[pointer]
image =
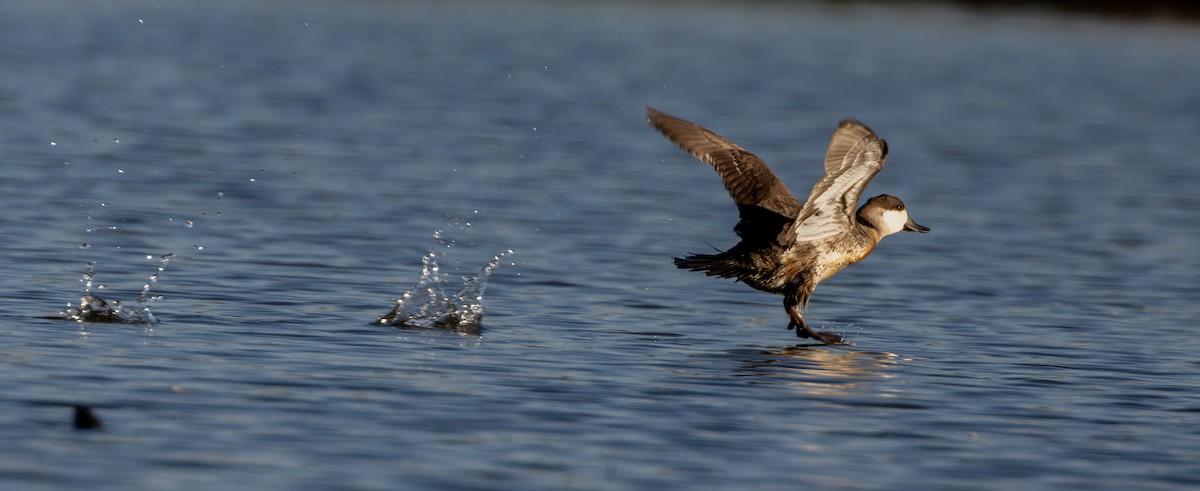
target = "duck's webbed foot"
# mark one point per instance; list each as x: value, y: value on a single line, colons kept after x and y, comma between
x: 830, y: 338
x: 803, y: 331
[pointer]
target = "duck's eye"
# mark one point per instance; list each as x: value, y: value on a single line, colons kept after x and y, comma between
x: 899, y: 207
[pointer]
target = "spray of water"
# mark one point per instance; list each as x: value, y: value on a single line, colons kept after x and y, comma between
x: 92, y: 308
x: 430, y: 304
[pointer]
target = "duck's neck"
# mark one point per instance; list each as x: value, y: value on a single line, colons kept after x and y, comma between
x: 871, y: 230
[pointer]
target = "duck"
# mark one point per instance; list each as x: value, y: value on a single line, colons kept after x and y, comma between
x: 788, y: 247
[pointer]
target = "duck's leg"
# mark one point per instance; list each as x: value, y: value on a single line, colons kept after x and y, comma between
x: 801, y: 327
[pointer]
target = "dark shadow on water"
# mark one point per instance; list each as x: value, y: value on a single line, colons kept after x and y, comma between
x: 447, y: 323
x: 1167, y: 9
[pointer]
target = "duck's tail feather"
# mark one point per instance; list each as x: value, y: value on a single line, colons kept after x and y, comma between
x: 723, y: 264
x: 755, y: 264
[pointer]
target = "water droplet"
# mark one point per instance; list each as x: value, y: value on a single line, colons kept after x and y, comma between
x: 189, y: 224
x: 53, y: 143
x: 116, y: 140
x: 429, y: 304
x: 120, y: 171
x: 85, y: 245
x: 140, y: 21
x: 199, y: 247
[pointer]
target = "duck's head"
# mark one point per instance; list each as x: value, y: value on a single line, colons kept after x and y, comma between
x: 887, y: 214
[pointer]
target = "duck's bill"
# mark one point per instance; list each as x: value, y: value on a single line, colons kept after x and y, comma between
x: 912, y: 226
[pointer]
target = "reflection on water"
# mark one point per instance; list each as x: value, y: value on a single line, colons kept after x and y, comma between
x: 817, y: 370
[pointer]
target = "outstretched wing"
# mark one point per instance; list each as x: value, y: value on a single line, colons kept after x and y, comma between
x: 764, y: 204
x: 855, y: 155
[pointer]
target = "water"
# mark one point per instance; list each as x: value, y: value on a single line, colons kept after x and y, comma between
x: 430, y: 305
x: 94, y: 308
x: 296, y: 158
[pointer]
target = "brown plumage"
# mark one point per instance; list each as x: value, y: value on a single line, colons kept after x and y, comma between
x: 788, y: 247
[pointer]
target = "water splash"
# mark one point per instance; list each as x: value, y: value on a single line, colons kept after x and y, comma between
x: 92, y: 308
x: 145, y: 297
x: 429, y: 305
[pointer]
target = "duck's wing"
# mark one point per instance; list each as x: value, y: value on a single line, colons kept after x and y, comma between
x: 854, y: 156
x: 765, y: 205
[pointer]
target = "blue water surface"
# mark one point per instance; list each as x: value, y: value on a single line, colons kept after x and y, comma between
x: 298, y: 157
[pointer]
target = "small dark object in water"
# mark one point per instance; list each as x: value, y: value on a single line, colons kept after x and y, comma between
x: 398, y: 318
x: 85, y: 420
x: 94, y: 309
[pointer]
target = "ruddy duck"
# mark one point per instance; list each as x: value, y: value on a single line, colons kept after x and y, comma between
x: 786, y: 247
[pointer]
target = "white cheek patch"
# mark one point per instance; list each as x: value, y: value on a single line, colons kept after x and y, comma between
x: 893, y: 221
